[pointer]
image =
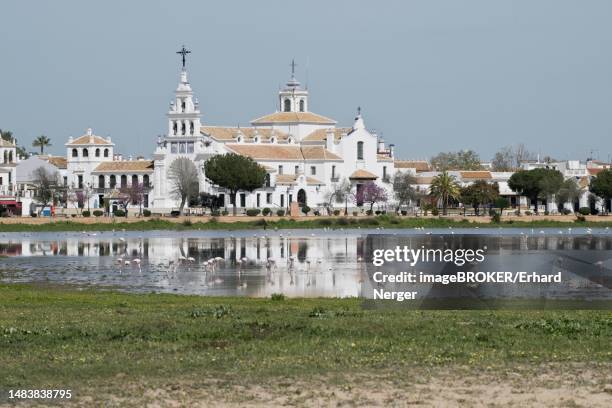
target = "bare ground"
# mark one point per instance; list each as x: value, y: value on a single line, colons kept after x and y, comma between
x: 559, y: 385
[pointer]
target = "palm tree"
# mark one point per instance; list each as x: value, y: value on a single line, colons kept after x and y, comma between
x: 6, y: 135
x: 444, y: 187
x: 41, y: 141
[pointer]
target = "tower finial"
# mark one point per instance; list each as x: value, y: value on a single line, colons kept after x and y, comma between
x: 183, y: 53
x: 359, y: 111
x: 293, y: 65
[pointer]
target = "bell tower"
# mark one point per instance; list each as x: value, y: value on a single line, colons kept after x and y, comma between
x: 293, y: 98
x: 184, y: 112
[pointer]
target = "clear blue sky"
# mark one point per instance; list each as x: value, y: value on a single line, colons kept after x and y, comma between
x: 430, y: 75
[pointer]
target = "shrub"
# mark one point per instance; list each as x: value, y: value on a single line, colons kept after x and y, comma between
x: 377, y: 212
x: 317, y: 212
x: 342, y: 221
x: 266, y: 211
x: 213, y: 220
x: 546, y: 212
x: 119, y: 213
x: 187, y: 222
x: 368, y: 212
x: 86, y: 213
x: 305, y: 209
x: 98, y: 213
x: 369, y: 221
x: 252, y: 212
x: 584, y: 211
x: 215, y: 213
x: 404, y: 212
x: 528, y: 212
x: 174, y: 213
x: 280, y: 213
x: 580, y: 218
x: 336, y: 212
x: 496, y: 218
x: 435, y: 211
x: 517, y: 213
x: 566, y: 211
x: 224, y: 213
x: 277, y: 297
x: 146, y: 213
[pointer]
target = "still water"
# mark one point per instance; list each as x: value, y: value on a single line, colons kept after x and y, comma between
x: 297, y: 263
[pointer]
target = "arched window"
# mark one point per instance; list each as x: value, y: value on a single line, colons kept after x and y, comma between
x: 105, y: 152
x: 85, y: 153
x: 134, y: 180
x: 5, y: 157
x: 183, y: 105
x: 101, y: 181
x: 302, y: 105
x: 10, y: 157
x: 268, y: 180
x: 123, y: 180
x: 191, y: 127
x: 174, y: 128
x: 75, y: 153
x: 359, y: 150
x: 97, y: 152
x: 145, y: 180
x: 112, y: 181
x: 183, y: 128
x: 287, y: 105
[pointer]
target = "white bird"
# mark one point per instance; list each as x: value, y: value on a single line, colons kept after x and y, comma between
x: 122, y: 239
x: 127, y: 263
x: 136, y: 261
x: 191, y: 259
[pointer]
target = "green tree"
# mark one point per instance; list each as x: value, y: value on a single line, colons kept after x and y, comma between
x: 444, y: 188
x: 601, y: 186
x: 502, y: 203
x: 462, y: 160
x: 41, y: 141
x: 183, y: 176
x: 479, y: 193
x: 568, y: 193
x: 536, y: 184
x: 235, y: 173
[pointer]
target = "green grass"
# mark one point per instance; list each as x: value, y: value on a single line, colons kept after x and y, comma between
x: 385, y: 221
x: 63, y: 337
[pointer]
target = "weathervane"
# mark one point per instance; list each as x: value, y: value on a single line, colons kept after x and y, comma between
x: 183, y: 52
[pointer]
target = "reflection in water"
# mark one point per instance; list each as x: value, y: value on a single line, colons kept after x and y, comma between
x: 256, y: 265
x: 296, y: 263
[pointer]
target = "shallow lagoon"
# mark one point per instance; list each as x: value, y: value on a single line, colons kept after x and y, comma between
x: 297, y: 263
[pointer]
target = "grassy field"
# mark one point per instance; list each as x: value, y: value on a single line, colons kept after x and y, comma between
x: 386, y: 221
x: 99, y: 342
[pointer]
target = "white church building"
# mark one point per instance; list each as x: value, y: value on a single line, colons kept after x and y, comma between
x: 303, y: 152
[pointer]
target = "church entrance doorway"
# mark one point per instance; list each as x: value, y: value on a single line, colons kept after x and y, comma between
x: 301, y: 197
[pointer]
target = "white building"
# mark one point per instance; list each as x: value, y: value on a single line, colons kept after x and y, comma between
x: 306, y: 156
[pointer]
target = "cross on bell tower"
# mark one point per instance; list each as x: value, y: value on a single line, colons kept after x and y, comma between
x: 183, y: 52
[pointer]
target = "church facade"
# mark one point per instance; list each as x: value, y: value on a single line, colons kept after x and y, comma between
x: 304, y: 153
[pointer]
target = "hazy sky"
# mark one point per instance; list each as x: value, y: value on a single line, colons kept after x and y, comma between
x: 430, y: 75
